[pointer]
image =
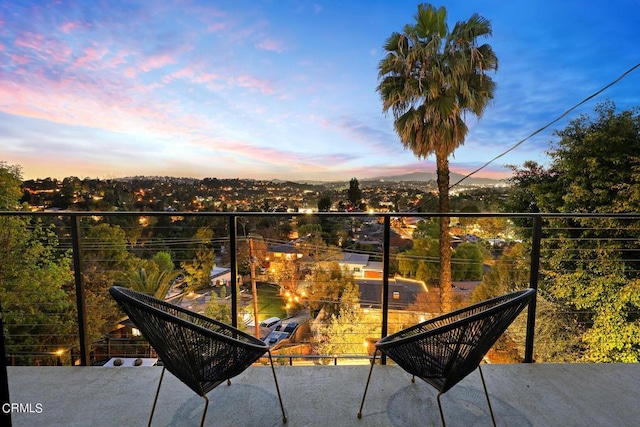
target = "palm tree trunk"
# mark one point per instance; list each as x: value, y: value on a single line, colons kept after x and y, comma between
x: 446, y: 300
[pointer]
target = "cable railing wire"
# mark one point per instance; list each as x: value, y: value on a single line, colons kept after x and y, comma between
x: 90, y: 245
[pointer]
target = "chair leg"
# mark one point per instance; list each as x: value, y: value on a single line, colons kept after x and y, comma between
x: 484, y: 385
x: 284, y: 416
x: 204, y: 413
x: 155, y: 400
x: 441, y: 413
x: 366, y: 387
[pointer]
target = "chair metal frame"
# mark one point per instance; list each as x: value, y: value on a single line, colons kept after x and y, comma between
x: 199, y: 351
x: 444, y: 350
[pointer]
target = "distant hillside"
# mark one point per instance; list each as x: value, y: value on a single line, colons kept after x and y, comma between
x: 415, y: 177
x: 431, y: 176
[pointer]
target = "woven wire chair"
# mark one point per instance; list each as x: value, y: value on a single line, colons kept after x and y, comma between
x: 444, y: 350
x: 199, y: 351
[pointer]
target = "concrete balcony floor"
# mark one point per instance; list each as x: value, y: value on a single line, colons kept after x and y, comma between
x: 521, y: 395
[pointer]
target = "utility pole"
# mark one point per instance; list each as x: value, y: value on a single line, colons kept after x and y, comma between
x: 254, y: 289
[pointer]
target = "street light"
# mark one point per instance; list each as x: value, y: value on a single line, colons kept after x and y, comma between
x: 59, y: 354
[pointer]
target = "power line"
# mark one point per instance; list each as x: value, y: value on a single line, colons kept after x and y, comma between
x: 543, y: 128
x: 549, y: 124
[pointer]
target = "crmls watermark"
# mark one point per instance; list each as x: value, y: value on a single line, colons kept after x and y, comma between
x: 21, y: 408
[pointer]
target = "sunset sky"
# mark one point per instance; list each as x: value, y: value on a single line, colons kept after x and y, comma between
x: 279, y: 88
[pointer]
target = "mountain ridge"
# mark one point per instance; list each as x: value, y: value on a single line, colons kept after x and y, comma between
x: 431, y: 176
x: 408, y: 177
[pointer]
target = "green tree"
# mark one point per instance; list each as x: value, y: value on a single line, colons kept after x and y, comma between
x: 421, y: 261
x: 163, y: 260
x: 533, y: 189
x: 467, y: 221
x: 595, y: 158
x: 345, y: 333
x: 556, y: 332
x: 153, y: 276
x: 198, y: 269
x: 219, y: 311
x: 467, y: 262
x: 590, y: 265
x: 330, y: 287
x: 354, y: 193
x: 35, y: 274
x: 105, y: 259
x: 324, y: 203
x: 346, y: 329
x: 430, y: 79
x: 310, y: 230
x: 510, y: 272
x: 105, y: 249
x: 426, y: 228
x: 10, y: 183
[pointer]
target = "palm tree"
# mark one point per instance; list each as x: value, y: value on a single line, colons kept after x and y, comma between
x: 430, y: 79
x: 154, y: 276
x: 154, y: 282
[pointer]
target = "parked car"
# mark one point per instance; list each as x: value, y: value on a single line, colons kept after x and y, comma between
x: 290, y: 327
x: 271, y: 323
x: 274, y: 337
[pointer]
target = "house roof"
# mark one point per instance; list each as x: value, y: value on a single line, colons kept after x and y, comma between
x: 219, y: 271
x: 353, y: 258
x: 287, y: 248
x: 374, y: 266
x: 407, y: 291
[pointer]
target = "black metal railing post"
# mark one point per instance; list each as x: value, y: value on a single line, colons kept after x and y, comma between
x: 5, y: 416
x: 533, y: 283
x: 82, y: 352
x: 233, y: 265
x: 385, y: 281
x: 81, y: 304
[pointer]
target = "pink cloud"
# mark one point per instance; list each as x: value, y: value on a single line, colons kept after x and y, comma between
x: 218, y: 26
x: 91, y: 56
x: 30, y: 40
x: 206, y: 77
x: 49, y: 49
x: 116, y: 60
x: 157, y: 61
x: 183, y: 73
x: 254, y: 83
x: 271, y: 45
x: 18, y: 59
x: 250, y: 153
x: 241, y: 35
x: 70, y: 26
x: 193, y: 75
x: 120, y: 106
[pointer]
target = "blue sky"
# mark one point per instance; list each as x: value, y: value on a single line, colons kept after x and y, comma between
x: 281, y: 88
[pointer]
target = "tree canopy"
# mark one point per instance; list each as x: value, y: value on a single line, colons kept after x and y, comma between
x: 35, y: 276
x: 590, y: 266
x: 354, y: 193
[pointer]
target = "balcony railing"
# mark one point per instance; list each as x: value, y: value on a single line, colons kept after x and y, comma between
x: 31, y: 312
